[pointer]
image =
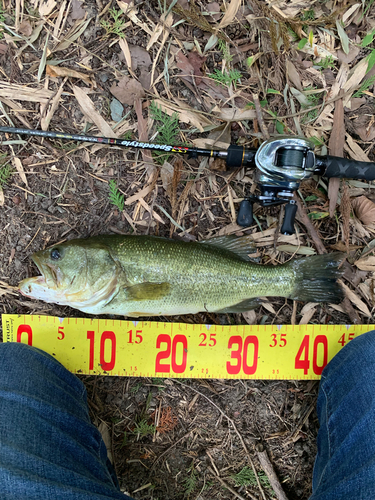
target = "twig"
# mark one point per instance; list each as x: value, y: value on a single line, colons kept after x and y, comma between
x: 271, y: 474
x: 310, y: 228
x: 235, y: 429
x: 260, y: 118
x: 169, y: 448
x: 234, y: 492
x: 307, y: 110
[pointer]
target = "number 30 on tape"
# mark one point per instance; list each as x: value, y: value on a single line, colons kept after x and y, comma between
x: 153, y: 349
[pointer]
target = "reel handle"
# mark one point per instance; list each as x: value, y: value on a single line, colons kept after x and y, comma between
x: 288, y: 223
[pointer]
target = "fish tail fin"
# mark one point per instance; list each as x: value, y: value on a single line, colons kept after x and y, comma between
x: 316, y: 278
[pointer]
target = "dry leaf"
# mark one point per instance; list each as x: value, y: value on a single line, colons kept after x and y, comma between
x: 182, y: 63
x: 130, y: 10
x: 88, y: 108
x: 293, y: 75
x: 166, y: 174
x: 250, y: 317
x: 355, y: 151
x: 74, y: 33
x: 197, y: 61
x: 336, y: 148
x: 355, y: 300
x: 234, y: 115
x: 366, y: 263
x: 45, y: 120
x: 56, y: 71
x: 127, y: 90
x: 348, y: 58
x: 143, y: 136
x: 17, y: 163
x: 157, y: 32
x: 23, y: 93
x: 307, y: 312
x: 185, y: 114
x: 267, y: 305
x: 126, y: 51
x: 106, y: 436
x: 366, y: 134
x: 364, y: 209
x: 47, y: 7
x: 230, y: 13
x: 213, y: 9
x: 3, y: 48
x: 140, y: 57
x: 2, y: 198
x: 77, y: 11
x: 25, y: 28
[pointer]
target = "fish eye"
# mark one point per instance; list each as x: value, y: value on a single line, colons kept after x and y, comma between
x: 55, y: 254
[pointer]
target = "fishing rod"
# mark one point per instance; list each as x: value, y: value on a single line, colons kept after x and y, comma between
x: 281, y: 164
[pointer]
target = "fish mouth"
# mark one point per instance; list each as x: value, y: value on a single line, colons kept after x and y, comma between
x: 50, y: 276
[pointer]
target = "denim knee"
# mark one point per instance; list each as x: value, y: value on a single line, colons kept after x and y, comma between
x: 358, y: 356
x: 28, y: 370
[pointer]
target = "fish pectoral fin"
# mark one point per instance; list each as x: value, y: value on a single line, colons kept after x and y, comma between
x: 147, y: 291
x: 243, y: 306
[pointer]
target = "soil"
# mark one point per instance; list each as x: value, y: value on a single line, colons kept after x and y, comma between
x: 169, y: 438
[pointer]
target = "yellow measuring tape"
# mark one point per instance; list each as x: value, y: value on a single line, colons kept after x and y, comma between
x: 153, y: 349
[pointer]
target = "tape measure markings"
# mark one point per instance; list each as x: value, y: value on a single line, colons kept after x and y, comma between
x: 181, y: 350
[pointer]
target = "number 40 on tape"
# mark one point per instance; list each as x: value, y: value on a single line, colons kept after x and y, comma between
x: 153, y: 349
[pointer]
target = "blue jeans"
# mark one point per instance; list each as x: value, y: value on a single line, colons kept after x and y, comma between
x: 345, y: 463
x: 49, y: 449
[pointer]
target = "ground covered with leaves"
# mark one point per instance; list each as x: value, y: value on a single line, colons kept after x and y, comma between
x: 203, y: 74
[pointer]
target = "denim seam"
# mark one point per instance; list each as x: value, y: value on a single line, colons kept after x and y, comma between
x: 328, y: 438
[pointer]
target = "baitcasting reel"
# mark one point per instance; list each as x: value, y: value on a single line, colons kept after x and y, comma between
x: 281, y: 164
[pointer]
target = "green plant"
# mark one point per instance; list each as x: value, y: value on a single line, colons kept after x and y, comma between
x: 2, y: 20
x: 327, y: 62
x: 116, y: 25
x: 6, y: 173
x: 246, y: 477
x: 223, y: 46
x: 368, y: 39
x: 190, y: 481
x: 368, y: 7
x: 167, y: 129
x: 115, y: 197
x: 365, y: 85
x: 135, y: 388
x: 313, y: 99
x: 308, y: 15
x: 227, y: 78
x: 143, y: 429
x: 127, y: 136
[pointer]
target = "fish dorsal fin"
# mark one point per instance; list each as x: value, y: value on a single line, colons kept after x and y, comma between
x: 240, y: 245
x: 147, y: 291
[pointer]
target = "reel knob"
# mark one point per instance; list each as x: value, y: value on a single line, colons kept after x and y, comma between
x: 245, y: 213
x: 288, y: 223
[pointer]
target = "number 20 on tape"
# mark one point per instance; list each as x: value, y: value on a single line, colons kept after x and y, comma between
x: 153, y: 349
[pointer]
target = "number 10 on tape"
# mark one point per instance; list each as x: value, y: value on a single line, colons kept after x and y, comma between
x: 153, y: 349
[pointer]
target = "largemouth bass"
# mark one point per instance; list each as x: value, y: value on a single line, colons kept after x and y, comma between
x: 151, y: 276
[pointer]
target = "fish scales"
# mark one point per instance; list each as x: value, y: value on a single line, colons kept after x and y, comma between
x: 151, y: 276
x: 200, y: 277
